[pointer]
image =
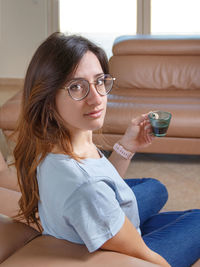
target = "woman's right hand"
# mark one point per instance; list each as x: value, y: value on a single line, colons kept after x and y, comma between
x: 138, y: 134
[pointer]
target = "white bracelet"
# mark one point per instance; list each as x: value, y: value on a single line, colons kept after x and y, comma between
x: 122, y: 151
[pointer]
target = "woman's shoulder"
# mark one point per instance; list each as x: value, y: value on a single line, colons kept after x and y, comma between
x: 61, y: 167
x: 53, y: 160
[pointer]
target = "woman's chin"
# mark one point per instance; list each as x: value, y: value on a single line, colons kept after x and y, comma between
x: 96, y: 126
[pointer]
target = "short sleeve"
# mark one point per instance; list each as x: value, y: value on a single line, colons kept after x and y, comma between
x: 94, y: 213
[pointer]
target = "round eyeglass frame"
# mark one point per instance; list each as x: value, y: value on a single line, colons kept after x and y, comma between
x: 67, y: 87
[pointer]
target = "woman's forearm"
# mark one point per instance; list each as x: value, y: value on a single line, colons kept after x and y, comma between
x: 120, y: 163
x: 128, y: 241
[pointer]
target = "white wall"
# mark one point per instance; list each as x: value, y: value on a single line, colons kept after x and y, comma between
x: 24, y: 24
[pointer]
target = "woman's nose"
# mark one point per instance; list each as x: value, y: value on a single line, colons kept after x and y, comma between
x: 93, y: 97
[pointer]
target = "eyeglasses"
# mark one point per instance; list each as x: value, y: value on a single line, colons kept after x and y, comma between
x: 78, y: 89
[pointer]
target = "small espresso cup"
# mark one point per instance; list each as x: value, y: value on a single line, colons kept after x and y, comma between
x: 160, y: 121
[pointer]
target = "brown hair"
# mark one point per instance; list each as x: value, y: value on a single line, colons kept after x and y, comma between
x: 40, y: 127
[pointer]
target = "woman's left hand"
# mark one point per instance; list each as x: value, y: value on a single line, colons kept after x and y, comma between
x: 138, y: 134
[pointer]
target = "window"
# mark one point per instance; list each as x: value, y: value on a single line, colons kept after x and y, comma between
x: 175, y: 17
x: 101, y: 21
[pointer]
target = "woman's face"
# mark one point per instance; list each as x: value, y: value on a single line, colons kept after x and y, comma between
x: 88, y: 113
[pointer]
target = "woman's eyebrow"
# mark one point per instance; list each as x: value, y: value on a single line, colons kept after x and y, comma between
x: 82, y: 78
x: 97, y: 75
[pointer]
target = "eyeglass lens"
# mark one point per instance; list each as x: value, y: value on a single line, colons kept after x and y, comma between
x: 80, y: 88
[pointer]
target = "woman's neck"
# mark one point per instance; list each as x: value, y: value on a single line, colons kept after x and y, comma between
x: 82, y: 145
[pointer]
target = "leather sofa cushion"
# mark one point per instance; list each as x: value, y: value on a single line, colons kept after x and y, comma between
x: 156, y: 45
x: 169, y: 145
x: 9, y: 201
x: 10, y: 111
x: 8, y: 179
x: 156, y: 71
x: 185, y: 120
x: 51, y: 252
x: 13, y: 235
x: 156, y: 62
x: 3, y: 165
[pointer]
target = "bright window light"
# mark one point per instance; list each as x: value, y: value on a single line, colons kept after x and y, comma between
x: 175, y: 17
x: 100, y: 21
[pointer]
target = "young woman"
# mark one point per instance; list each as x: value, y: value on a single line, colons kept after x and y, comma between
x: 79, y: 193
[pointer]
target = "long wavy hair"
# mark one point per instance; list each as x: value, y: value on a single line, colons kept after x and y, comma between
x: 40, y: 127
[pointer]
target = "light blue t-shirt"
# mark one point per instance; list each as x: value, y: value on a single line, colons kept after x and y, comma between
x: 85, y: 202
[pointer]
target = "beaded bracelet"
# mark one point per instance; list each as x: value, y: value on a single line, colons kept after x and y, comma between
x: 122, y: 151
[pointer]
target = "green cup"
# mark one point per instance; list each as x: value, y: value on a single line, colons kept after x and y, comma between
x: 160, y: 121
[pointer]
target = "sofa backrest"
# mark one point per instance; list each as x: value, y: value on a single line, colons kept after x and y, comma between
x: 160, y: 63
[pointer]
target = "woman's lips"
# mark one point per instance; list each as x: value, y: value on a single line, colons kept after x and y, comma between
x: 94, y: 114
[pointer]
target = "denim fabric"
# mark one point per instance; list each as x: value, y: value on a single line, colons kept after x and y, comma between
x: 173, y: 235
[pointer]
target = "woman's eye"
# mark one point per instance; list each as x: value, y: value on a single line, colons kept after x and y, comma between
x: 75, y: 87
x: 100, y: 81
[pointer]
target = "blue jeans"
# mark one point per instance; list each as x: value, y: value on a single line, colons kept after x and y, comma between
x: 173, y: 235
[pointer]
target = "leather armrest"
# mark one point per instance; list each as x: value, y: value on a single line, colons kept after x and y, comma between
x: 9, y: 112
x: 9, y: 201
x: 8, y: 176
x: 51, y: 252
x: 13, y: 235
x: 3, y: 165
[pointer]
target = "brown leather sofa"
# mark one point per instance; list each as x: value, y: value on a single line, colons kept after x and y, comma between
x: 156, y: 73
x: 151, y: 73
x: 22, y: 246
